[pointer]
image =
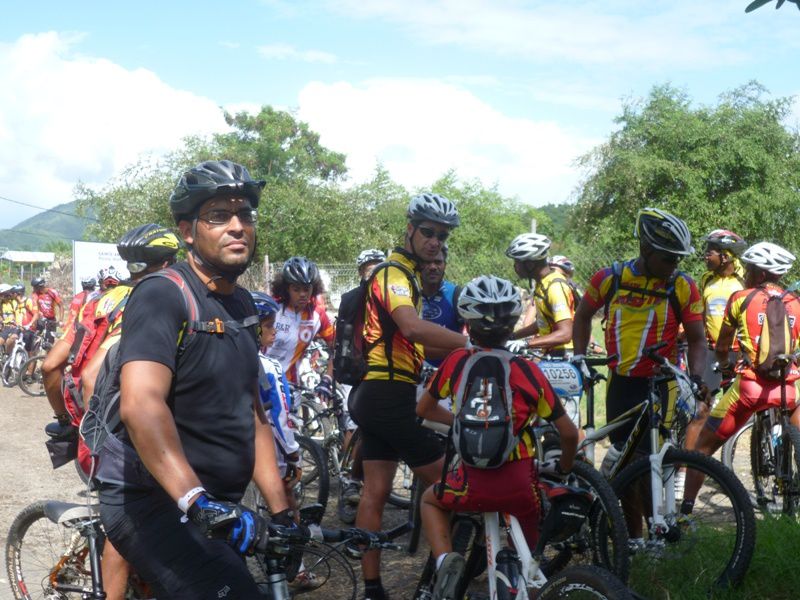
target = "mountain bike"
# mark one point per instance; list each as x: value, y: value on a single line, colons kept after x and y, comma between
x: 766, y: 453
x: 712, y: 545
x: 12, y: 366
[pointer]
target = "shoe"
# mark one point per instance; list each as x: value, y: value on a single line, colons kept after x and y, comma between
x: 351, y: 493
x: 59, y: 431
x: 305, y: 581
x: 347, y: 513
x: 448, y: 576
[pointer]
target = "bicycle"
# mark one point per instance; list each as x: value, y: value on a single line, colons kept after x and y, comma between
x: 766, y: 451
x: 713, y: 545
x: 31, y: 382
x: 12, y: 367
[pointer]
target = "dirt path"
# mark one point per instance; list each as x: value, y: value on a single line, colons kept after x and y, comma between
x: 28, y: 476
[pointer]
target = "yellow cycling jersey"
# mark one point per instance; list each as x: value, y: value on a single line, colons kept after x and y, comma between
x: 716, y: 290
x: 102, y: 306
x: 10, y: 311
x: 554, y: 303
x: 390, y: 356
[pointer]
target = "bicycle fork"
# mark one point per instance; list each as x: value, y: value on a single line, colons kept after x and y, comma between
x: 662, y: 491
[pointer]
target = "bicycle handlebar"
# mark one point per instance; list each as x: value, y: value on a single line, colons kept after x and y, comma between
x: 301, y: 534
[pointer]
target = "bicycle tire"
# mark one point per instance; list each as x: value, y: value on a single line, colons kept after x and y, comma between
x: 791, y: 497
x: 603, y: 541
x: 400, y: 496
x: 12, y: 368
x: 711, y: 549
x: 34, y: 386
x: 763, y: 465
x: 584, y: 582
x: 315, y: 482
x: 314, y: 424
x: 347, y: 513
x: 736, y: 455
x: 414, y: 516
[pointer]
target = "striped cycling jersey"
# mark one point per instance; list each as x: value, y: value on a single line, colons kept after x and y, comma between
x: 716, y: 290
x: 637, y: 320
x: 532, y: 395
x: 554, y: 303
x: 748, y: 324
x: 390, y: 356
x: 103, y: 306
x: 294, y: 331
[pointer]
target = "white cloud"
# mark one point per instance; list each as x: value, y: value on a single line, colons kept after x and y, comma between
x: 620, y: 33
x: 73, y: 117
x: 418, y: 129
x: 288, y: 52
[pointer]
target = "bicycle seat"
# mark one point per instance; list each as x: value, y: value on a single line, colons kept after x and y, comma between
x: 781, y: 360
x: 61, y: 512
x: 312, y: 514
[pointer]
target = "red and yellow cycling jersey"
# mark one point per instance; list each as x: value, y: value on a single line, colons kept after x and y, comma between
x: 748, y: 324
x: 27, y: 312
x: 554, y: 303
x: 390, y: 356
x: 716, y: 290
x: 532, y: 395
x: 47, y: 301
x: 637, y: 319
x: 75, y: 307
x: 103, y: 306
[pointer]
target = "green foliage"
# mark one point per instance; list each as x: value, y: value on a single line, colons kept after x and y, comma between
x: 733, y: 165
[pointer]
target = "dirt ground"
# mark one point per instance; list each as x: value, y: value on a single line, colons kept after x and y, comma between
x: 28, y: 476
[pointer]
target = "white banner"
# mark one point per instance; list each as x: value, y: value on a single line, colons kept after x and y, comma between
x: 89, y: 257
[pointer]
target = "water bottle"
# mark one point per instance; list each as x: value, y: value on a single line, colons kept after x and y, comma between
x: 611, y: 458
x: 508, y: 574
x: 777, y: 430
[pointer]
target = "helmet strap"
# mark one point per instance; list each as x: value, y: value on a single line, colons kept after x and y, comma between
x: 229, y: 274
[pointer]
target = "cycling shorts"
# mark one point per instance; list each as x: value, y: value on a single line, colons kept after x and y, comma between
x: 511, y: 488
x: 385, y: 412
x: 743, y: 398
x: 175, y: 558
x: 7, y: 331
x: 623, y: 393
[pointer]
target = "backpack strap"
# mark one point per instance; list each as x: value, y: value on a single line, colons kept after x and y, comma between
x: 670, y: 294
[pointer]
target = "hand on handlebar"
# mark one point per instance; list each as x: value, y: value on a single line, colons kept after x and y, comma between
x: 244, y: 526
x: 552, y: 469
x: 324, y: 388
x: 516, y: 346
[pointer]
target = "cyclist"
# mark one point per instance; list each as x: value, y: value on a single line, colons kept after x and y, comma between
x: 491, y: 307
x: 646, y: 300
x: 196, y: 423
x: 366, y: 261
x: 765, y: 264
x: 302, y: 317
x: 555, y: 305
x: 8, y: 312
x: 384, y: 403
x: 88, y: 285
x: 439, y: 298
x: 723, y: 277
x: 47, y: 300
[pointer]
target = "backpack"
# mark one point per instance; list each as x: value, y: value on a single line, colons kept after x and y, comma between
x: 775, y: 337
x: 670, y: 294
x: 89, y: 334
x: 573, y: 288
x: 116, y: 461
x: 350, y: 348
x: 483, y: 427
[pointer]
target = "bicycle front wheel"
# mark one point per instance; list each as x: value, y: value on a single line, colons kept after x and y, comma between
x: 13, y: 367
x: 30, y: 380
x: 710, y: 548
x: 584, y: 582
x: 314, y: 485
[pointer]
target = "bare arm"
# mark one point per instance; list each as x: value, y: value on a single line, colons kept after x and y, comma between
x: 582, y: 328
x: 424, y: 332
x: 429, y: 408
x: 724, y: 342
x: 561, y: 334
x: 569, y: 441
x: 696, y: 351
x: 89, y: 374
x: 144, y: 388
x: 526, y: 331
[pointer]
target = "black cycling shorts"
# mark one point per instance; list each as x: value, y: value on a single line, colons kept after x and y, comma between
x: 7, y: 331
x: 175, y: 558
x: 385, y: 412
x: 622, y: 394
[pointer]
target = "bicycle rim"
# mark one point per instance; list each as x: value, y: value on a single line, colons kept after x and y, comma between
x: 35, y: 385
x: 791, y: 494
x: 710, y: 549
x: 584, y: 582
x: 763, y: 463
x: 400, y: 496
x: 41, y: 554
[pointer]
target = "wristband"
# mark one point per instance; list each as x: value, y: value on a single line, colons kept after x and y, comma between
x: 183, y: 502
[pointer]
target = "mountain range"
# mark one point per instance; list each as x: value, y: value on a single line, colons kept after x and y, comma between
x: 46, y: 229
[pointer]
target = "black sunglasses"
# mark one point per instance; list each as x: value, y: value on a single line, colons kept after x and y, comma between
x: 218, y: 216
x: 666, y: 257
x: 429, y: 233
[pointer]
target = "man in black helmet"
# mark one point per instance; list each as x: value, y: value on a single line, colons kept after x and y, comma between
x: 384, y: 403
x: 189, y: 403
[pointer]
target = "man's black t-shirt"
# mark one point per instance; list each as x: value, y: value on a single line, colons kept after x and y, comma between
x: 215, y: 379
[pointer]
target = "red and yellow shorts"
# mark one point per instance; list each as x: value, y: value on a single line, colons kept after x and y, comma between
x: 511, y: 488
x: 743, y: 398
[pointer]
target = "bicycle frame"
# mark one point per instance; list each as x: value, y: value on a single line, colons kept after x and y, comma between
x: 528, y: 564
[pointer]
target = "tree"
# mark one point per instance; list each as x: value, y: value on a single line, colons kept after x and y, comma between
x: 732, y: 165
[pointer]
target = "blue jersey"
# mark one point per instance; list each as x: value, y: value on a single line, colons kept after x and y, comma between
x: 441, y: 309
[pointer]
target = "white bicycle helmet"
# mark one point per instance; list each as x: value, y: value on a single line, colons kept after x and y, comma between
x: 4, y: 288
x: 433, y: 207
x: 490, y: 304
x: 559, y: 260
x: 663, y: 231
x: 769, y: 257
x: 370, y: 256
x: 529, y: 246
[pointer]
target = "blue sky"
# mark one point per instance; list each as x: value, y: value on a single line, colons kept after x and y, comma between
x: 510, y: 92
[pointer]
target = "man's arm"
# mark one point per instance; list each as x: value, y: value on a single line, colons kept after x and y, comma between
x: 429, y: 408
x: 144, y: 388
x: 424, y: 332
x: 525, y: 331
x: 582, y: 327
x: 696, y: 350
x: 724, y: 343
x: 561, y: 334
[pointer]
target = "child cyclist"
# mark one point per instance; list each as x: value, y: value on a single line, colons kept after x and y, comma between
x: 490, y: 307
x: 275, y: 395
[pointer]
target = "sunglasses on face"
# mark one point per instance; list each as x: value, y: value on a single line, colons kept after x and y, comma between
x: 671, y: 259
x: 428, y: 233
x: 219, y: 216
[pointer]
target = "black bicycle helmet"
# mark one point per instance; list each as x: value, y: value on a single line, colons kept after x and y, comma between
x: 208, y: 179
x: 18, y: 288
x: 299, y: 269
x: 663, y: 231
x: 88, y: 283
x: 490, y: 305
x: 725, y: 239
x: 38, y: 282
x: 433, y: 207
x: 147, y: 245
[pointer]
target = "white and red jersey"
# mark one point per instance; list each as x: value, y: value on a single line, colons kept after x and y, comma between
x: 295, y: 331
x: 46, y: 301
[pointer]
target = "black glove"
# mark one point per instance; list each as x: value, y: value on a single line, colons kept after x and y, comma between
x: 702, y: 392
x: 245, y: 527
x: 325, y: 388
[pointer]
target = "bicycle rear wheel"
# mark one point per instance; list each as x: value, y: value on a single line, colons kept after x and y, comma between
x: 583, y: 582
x: 33, y: 384
x: 791, y: 488
x: 710, y: 549
x: 12, y: 368
x: 314, y: 486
